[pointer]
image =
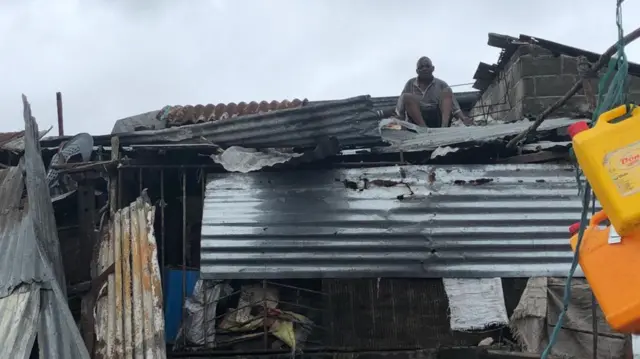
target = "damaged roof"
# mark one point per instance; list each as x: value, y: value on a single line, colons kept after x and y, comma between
x: 14, y: 141
x: 352, y: 121
x: 186, y: 115
x: 19, y: 259
x: 486, y: 73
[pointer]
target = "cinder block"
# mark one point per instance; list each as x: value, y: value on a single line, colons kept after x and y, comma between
x: 554, y: 85
x: 540, y: 65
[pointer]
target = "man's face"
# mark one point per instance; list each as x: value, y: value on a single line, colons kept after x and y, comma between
x: 424, y: 67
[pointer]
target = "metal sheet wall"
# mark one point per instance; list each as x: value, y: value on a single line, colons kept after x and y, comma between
x: 415, y: 221
x: 130, y: 322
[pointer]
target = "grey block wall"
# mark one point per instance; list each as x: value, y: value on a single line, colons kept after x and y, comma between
x: 532, y: 80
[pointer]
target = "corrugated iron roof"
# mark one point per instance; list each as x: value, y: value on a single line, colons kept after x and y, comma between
x: 466, y: 99
x: 14, y: 141
x: 414, y: 221
x: 428, y: 139
x: 352, y: 121
x: 185, y: 115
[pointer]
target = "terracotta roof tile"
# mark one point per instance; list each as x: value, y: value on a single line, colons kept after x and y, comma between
x: 184, y: 115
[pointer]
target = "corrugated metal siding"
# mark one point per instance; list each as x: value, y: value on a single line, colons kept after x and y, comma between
x: 130, y: 321
x: 18, y: 321
x: 414, y: 221
x: 19, y: 259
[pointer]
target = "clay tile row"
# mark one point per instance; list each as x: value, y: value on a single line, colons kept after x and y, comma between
x: 185, y: 115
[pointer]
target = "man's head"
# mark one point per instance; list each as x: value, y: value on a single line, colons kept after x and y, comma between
x: 424, y: 67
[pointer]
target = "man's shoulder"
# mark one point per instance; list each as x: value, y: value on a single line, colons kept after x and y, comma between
x: 440, y: 82
x: 411, y: 81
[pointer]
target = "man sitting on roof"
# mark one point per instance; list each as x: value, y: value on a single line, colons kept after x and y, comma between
x: 428, y: 101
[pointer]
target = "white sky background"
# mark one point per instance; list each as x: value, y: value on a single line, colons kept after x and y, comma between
x: 113, y: 59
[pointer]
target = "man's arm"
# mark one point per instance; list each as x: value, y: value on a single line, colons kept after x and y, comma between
x: 446, y: 106
x: 455, y: 108
x: 400, y: 106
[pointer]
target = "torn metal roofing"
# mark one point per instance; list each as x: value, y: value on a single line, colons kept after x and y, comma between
x: 352, y: 121
x: 19, y: 258
x: 428, y: 139
x: 414, y: 221
x: 58, y: 334
x: 145, y: 121
x: 185, y: 115
x: 14, y: 141
x: 19, y: 314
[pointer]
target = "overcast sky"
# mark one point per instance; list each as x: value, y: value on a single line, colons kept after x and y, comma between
x: 113, y: 59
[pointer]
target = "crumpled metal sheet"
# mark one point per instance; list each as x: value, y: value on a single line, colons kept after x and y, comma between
x: 130, y: 321
x: 407, y: 137
x: 19, y: 314
x: 14, y: 141
x: 30, y: 307
x: 58, y: 333
x: 240, y: 159
x: 244, y: 160
x: 19, y: 258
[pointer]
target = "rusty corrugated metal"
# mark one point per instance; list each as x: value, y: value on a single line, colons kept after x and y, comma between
x: 184, y: 115
x: 130, y: 322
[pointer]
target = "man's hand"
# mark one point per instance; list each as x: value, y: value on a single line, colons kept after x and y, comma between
x: 468, y: 121
x: 464, y: 118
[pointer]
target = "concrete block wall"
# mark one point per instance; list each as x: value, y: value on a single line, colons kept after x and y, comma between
x: 532, y: 80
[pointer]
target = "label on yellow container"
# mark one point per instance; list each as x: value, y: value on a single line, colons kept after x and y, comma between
x: 624, y: 168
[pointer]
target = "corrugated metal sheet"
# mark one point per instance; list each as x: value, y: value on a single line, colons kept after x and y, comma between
x: 465, y: 99
x: 414, y: 221
x: 352, y: 121
x: 428, y: 139
x: 58, y: 333
x: 145, y: 121
x: 18, y: 321
x: 14, y: 141
x: 185, y: 115
x: 130, y: 321
x: 30, y: 251
x: 19, y: 259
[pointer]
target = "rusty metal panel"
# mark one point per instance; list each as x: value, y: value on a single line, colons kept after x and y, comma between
x: 131, y: 321
x: 396, y: 221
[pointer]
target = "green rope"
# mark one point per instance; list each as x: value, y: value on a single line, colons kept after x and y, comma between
x: 615, y: 82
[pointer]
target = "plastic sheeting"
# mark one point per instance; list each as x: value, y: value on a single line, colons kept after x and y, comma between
x: 534, y: 319
x: 475, y: 303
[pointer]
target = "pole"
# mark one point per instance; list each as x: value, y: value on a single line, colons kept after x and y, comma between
x: 60, y: 118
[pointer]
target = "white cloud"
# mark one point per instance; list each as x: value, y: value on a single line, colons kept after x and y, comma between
x: 112, y: 59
